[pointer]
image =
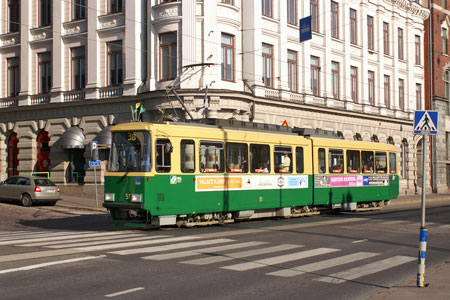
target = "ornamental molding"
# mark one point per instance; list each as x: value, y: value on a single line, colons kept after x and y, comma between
x: 112, y: 20
x: 8, y: 42
x: 167, y: 10
x: 411, y: 7
x: 41, y: 33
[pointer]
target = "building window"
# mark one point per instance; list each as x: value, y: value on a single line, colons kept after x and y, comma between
x: 292, y: 12
x: 227, y: 57
x: 168, y: 53
x: 45, y: 72
x: 14, y: 15
x: 79, y: 10
x: 370, y: 33
x: 335, y: 79
x: 401, y: 93
x: 444, y: 40
x: 13, y: 76
x: 387, y: 91
x: 315, y: 75
x: 267, y: 65
x: 417, y: 46
x: 78, y: 68
x: 353, y: 27
x: 267, y: 8
x: 447, y: 84
x: 418, y: 96
x: 115, y: 6
x: 292, y: 70
x: 386, y: 38
x: 314, y: 6
x: 334, y: 20
x: 115, y: 63
x: 400, y: 43
x: 354, y: 83
x: 371, y: 80
x: 45, y: 12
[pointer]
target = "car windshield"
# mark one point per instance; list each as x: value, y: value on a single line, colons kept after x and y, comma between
x: 43, y: 182
x: 130, y: 152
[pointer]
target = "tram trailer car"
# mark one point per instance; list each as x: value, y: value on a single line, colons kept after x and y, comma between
x: 195, y: 174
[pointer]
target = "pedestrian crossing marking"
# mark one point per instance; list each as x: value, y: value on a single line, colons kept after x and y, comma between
x: 447, y: 226
x: 102, y: 242
x: 279, y: 259
x: 324, y: 264
x: 365, y: 270
x: 237, y: 255
x: 201, y: 251
x: 57, y: 242
x: 171, y: 247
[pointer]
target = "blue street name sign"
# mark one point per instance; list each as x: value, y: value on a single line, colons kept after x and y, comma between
x: 305, y: 29
x: 425, y: 122
x: 95, y: 163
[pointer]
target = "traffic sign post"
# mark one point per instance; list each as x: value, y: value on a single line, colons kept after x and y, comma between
x: 95, y: 162
x: 425, y: 123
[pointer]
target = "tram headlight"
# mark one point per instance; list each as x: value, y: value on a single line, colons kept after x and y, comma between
x: 136, y: 198
x: 109, y: 197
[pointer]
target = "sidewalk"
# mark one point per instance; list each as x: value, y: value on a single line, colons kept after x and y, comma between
x: 81, y: 203
x: 437, y: 279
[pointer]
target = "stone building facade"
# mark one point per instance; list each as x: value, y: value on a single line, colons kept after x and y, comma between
x: 361, y: 75
x: 437, y: 90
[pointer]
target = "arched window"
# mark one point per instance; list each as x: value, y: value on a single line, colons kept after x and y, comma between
x: 13, y: 151
x: 404, y: 157
x: 43, y: 152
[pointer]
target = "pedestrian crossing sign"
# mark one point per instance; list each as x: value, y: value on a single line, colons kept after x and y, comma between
x: 425, y: 122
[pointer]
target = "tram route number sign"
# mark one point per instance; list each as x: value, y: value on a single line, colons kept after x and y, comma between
x: 425, y: 122
x: 95, y: 163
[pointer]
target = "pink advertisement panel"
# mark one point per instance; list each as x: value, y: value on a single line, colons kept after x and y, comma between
x: 344, y: 180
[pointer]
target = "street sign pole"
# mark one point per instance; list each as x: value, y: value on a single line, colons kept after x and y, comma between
x: 423, y: 229
x: 95, y: 181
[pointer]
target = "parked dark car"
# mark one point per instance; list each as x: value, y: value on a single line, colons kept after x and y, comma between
x: 29, y: 190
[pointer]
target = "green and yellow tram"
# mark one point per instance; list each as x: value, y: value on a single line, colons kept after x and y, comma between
x: 192, y: 174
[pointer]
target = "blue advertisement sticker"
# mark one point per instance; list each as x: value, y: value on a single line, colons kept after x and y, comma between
x: 366, y: 180
x: 137, y: 180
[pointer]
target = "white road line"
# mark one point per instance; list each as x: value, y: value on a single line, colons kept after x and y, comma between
x: 202, y: 251
x: 171, y: 247
x: 40, y: 235
x: 135, y: 244
x: 55, y: 238
x: 109, y: 241
x: 447, y: 226
x: 53, y: 263
x: 279, y: 259
x: 242, y: 254
x: 321, y: 265
x: 364, y: 270
x: 81, y: 240
x: 359, y: 241
x: 124, y: 292
x: 396, y: 222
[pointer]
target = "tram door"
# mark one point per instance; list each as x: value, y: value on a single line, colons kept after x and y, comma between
x: 13, y: 151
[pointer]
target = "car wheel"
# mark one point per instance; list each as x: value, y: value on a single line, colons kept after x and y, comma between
x: 26, y: 200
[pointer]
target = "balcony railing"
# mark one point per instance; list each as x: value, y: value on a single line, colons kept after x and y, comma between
x: 108, y: 92
x: 39, y: 99
x: 74, y: 96
x: 8, y: 102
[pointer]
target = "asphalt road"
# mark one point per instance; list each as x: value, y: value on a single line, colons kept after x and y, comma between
x: 56, y: 253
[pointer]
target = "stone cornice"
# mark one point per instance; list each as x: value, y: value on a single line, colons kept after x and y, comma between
x: 411, y: 7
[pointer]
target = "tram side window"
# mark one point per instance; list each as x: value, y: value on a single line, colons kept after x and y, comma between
x: 283, y: 159
x: 237, y: 158
x: 353, y: 161
x: 211, y: 157
x: 336, y: 160
x: 163, y: 155
x: 299, y: 160
x: 392, y: 163
x: 260, y: 158
x: 187, y: 149
x: 367, y: 161
x: 381, y: 162
x: 322, y: 161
